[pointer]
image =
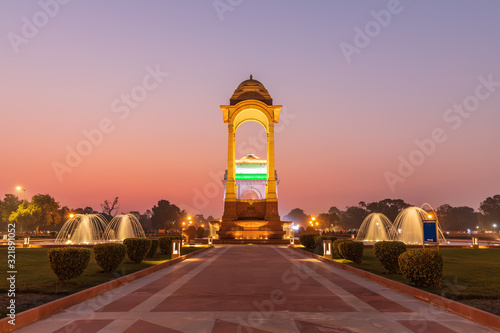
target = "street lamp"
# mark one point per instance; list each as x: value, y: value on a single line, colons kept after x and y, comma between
x: 20, y: 188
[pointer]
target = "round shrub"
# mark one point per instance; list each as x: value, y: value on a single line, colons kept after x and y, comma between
x: 154, y: 247
x: 335, y: 246
x: 307, y: 240
x: 352, y: 251
x: 319, y: 242
x: 423, y: 268
x: 387, y: 253
x: 137, y: 248
x: 109, y: 256
x: 165, y: 243
x: 68, y: 263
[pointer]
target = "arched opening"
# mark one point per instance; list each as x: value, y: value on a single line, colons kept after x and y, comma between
x: 251, y: 195
x: 251, y: 160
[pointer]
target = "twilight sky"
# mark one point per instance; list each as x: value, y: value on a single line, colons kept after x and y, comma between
x: 381, y: 99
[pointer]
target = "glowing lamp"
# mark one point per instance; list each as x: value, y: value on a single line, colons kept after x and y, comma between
x: 5, y: 236
x: 26, y: 241
x: 292, y: 241
x: 71, y: 215
x: 353, y: 236
x: 475, y: 242
x: 327, y: 249
x: 429, y: 216
x: 176, y: 248
x: 210, y: 241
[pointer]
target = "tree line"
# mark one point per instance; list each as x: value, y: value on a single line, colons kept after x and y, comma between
x: 451, y: 218
x: 43, y: 212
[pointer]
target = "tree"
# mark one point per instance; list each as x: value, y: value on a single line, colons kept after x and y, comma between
x: 456, y: 218
x: 353, y: 217
x: 108, y: 207
x: 190, y: 232
x: 165, y: 214
x: 491, y: 209
x: 89, y: 210
x: 389, y: 207
x: 7, y: 206
x: 48, y: 210
x: 298, y: 216
x: 200, y: 232
x: 26, y: 216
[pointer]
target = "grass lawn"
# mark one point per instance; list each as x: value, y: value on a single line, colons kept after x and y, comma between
x: 37, y: 284
x: 471, y: 276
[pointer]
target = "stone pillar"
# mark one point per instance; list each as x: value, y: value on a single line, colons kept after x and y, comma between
x: 271, y: 179
x: 230, y: 182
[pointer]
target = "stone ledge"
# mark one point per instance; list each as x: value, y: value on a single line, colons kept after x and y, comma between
x: 29, y: 316
x: 479, y: 316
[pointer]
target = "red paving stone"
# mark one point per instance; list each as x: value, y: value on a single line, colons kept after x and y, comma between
x: 425, y: 326
x: 233, y: 284
x: 368, y: 296
x: 222, y: 326
x: 142, y: 326
x: 84, y: 326
x: 245, y: 282
x: 305, y: 327
x: 130, y: 301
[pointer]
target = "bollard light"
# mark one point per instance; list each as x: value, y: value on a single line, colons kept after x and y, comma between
x: 327, y: 249
x: 292, y: 241
x: 26, y: 241
x: 210, y: 241
x: 353, y: 236
x: 176, y: 248
x: 5, y: 236
x: 475, y: 242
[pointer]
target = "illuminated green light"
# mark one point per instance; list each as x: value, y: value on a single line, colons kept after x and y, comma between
x: 251, y: 176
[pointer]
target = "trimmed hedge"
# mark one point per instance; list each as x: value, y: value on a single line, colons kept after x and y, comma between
x: 335, y: 246
x: 109, y: 256
x: 307, y: 240
x: 319, y: 242
x: 137, y: 248
x: 165, y: 243
x: 352, y: 251
x: 423, y: 268
x: 387, y: 253
x: 68, y: 263
x: 154, y: 248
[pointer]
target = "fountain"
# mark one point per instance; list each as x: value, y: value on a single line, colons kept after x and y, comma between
x: 124, y: 226
x: 408, y: 226
x: 83, y: 229
x: 375, y: 227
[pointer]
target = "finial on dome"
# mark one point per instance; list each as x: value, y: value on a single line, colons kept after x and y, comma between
x: 251, y: 77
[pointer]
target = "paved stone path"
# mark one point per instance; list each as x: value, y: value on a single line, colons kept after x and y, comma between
x: 253, y: 289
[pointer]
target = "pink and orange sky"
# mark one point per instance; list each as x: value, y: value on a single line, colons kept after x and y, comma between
x: 359, y: 82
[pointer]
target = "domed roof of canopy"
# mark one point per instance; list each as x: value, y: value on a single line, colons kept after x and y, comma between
x: 251, y: 89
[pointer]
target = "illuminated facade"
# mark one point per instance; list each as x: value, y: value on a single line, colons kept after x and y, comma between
x: 250, y: 200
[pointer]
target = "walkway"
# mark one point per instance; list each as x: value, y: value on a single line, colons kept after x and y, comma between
x: 253, y: 289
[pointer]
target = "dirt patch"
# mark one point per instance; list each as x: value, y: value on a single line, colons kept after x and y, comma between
x: 488, y: 305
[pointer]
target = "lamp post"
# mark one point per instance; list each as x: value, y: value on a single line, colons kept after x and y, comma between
x: 20, y: 188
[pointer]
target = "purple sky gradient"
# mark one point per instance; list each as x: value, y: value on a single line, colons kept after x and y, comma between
x: 347, y: 122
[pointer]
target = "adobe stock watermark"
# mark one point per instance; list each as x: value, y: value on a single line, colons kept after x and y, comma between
x: 31, y: 25
x: 223, y: 6
x: 121, y: 107
x: 212, y: 189
x: 372, y: 29
x: 453, y: 117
